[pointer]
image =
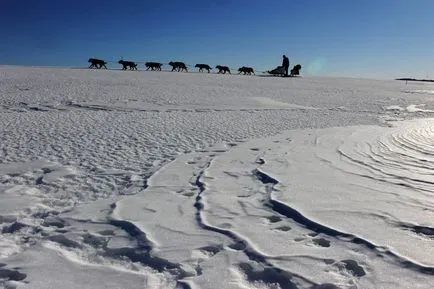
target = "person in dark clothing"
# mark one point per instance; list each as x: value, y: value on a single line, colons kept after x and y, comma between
x: 285, y: 64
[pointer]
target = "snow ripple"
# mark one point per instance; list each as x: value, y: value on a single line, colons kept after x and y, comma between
x: 402, y: 157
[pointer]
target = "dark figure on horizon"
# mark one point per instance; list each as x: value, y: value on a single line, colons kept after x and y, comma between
x: 97, y: 63
x: 246, y: 70
x: 178, y: 66
x: 203, y: 67
x: 223, y: 69
x: 285, y: 64
x: 128, y: 64
x: 296, y: 70
x: 153, y: 66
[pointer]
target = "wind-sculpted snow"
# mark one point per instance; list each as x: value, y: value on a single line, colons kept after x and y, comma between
x: 292, y: 204
x: 153, y: 180
x: 367, y: 188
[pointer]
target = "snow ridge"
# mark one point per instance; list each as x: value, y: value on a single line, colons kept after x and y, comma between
x: 289, y: 212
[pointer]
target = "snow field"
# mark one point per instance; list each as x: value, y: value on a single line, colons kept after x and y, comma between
x: 116, y: 179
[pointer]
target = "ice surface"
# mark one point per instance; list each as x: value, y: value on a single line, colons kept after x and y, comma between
x: 113, y: 179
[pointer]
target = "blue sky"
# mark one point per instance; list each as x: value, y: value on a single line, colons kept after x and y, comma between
x: 381, y: 38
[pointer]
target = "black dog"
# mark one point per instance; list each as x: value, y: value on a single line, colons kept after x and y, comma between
x: 246, y: 70
x: 97, y: 63
x: 296, y: 70
x: 128, y: 64
x: 178, y: 66
x: 223, y: 69
x: 153, y: 66
x: 203, y: 66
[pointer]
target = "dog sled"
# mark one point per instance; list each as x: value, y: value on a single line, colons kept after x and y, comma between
x: 280, y: 71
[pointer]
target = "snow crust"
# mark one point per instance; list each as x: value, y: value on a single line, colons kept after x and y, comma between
x: 113, y: 179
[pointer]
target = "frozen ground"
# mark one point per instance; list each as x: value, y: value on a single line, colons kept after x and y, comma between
x: 112, y: 179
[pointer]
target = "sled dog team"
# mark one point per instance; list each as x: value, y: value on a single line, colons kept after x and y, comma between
x: 181, y: 66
